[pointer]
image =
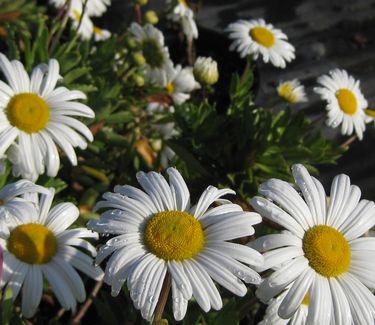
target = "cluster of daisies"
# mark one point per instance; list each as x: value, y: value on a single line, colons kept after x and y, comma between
x: 316, y: 271
x: 319, y: 270
x: 81, y: 12
x: 346, y: 105
x: 177, y: 82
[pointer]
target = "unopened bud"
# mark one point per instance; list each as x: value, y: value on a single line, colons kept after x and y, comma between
x: 151, y: 17
x: 205, y: 71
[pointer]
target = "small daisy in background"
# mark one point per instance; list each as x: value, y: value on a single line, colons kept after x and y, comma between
x: 35, y: 116
x: 323, y: 254
x: 160, y: 236
x: 12, y: 202
x: 155, y: 53
x: 346, y: 104
x: 271, y: 316
x: 205, y: 71
x: 178, y: 83
x: 101, y: 34
x: 292, y: 91
x: 256, y: 37
x: 182, y: 14
x: 91, y: 8
x: 38, y: 245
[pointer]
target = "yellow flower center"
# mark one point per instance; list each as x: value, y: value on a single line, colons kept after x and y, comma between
x: 32, y: 243
x: 28, y: 112
x: 98, y: 31
x: 263, y: 36
x: 183, y: 2
x: 347, y: 101
x: 170, y: 88
x: 327, y: 250
x: 286, y: 92
x: 174, y: 235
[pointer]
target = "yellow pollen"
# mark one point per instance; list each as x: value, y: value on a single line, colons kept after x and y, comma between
x: 77, y: 15
x: 347, y: 101
x: 32, y: 243
x: 327, y: 250
x: 170, y: 88
x: 28, y: 112
x: 184, y: 3
x: 98, y: 30
x: 263, y: 36
x: 305, y: 300
x: 286, y: 92
x: 174, y: 235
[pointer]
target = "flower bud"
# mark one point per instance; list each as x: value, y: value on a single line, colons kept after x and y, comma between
x: 151, y: 17
x: 138, y: 58
x: 205, y: 71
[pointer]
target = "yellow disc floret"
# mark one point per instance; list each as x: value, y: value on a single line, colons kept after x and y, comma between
x: 32, y: 243
x: 170, y: 88
x: 286, y: 91
x: 28, y: 112
x: 347, y: 101
x: 174, y: 235
x: 263, y: 36
x: 327, y: 250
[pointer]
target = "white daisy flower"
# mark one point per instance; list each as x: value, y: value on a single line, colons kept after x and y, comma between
x: 35, y: 116
x: 272, y: 318
x: 93, y: 7
x: 345, y: 102
x: 83, y: 23
x: 12, y: 202
x: 178, y: 82
x: 101, y: 34
x: 255, y: 37
x: 324, y: 255
x: 86, y: 26
x: 151, y: 41
x: 182, y: 14
x: 205, y: 70
x: 37, y: 244
x: 159, y: 232
x: 292, y: 91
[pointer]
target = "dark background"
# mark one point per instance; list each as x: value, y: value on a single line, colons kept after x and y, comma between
x: 327, y: 34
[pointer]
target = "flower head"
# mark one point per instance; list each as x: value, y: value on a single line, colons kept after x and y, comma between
x: 35, y: 116
x: 178, y: 83
x: 271, y: 316
x: 38, y: 245
x: 181, y: 13
x: 205, y: 71
x: 151, y: 41
x: 345, y: 102
x: 292, y: 91
x: 158, y: 231
x: 93, y: 8
x: 322, y: 254
x: 255, y: 37
x: 13, y: 201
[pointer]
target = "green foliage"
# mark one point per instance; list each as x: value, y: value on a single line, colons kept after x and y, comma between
x: 247, y: 145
